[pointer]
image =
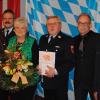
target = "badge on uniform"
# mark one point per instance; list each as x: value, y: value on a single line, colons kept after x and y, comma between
x: 59, y: 36
x: 57, y: 47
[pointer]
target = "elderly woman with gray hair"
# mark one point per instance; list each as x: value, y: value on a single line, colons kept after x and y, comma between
x: 29, y: 48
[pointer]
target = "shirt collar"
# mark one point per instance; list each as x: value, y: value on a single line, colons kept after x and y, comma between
x: 10, y: 29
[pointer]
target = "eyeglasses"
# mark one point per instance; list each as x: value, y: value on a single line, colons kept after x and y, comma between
x: 84, y: 24
x: 55, y: 23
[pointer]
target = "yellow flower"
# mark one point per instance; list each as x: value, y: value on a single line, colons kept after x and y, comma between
x: 24, y: 66
x: 19, y: 67
x: 29, y: 63
x: 14, y: 70
x: 6, y: 69
x: 7, y: 51
x: 11, y: 72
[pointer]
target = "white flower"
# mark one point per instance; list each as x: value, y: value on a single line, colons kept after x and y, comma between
x: 29, y: 63
x: 24, y: 67
x: 25, y: 70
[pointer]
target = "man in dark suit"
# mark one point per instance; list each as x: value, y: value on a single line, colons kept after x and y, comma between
x: 7, y: 31
x: 97, y: 71
x: 5, y: 34
x: 85, y: 44
x: 55, y: 80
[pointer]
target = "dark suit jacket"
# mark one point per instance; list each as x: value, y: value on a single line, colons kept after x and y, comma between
x: 85, y: 61
x: 4, y: 40
x: 97, y: 66
x: 61, y: 45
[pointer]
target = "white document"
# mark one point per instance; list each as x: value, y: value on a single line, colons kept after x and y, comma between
x: 46, y: 59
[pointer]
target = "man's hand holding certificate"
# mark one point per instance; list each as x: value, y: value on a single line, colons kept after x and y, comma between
x: 47, y: 63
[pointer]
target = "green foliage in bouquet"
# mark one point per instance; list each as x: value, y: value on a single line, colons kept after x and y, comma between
x: 16, y: 72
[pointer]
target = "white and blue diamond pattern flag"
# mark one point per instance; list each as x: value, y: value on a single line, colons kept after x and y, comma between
x: 68, y: 11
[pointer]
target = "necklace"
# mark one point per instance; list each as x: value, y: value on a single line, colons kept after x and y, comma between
x: 18, y: 46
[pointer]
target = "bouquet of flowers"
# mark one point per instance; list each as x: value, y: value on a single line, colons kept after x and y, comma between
x: 16, y: 72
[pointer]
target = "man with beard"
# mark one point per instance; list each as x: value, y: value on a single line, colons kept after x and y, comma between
x: 7, y: 31
x: 5, y: 34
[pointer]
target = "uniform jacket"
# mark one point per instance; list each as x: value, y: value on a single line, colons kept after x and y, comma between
x: 85, y: 61
x: 4, y: 39
x: 61, y: 46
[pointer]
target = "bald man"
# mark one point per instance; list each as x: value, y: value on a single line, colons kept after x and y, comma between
x: 85, y: 44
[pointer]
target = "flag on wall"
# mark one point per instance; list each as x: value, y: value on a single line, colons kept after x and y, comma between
x: 68, y: 10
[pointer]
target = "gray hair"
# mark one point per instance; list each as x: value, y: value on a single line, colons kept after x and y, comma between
x: 21, y: 20
x: 52, y: 17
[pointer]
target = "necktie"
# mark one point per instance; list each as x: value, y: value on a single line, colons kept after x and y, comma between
x: 7, y: 33
x: 50, y: 39
x: 81, y: 45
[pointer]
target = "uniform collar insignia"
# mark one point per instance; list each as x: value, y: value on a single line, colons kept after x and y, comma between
x: 59, y: 36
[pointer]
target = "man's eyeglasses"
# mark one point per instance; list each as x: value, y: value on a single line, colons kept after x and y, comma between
x: 84, y: 24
